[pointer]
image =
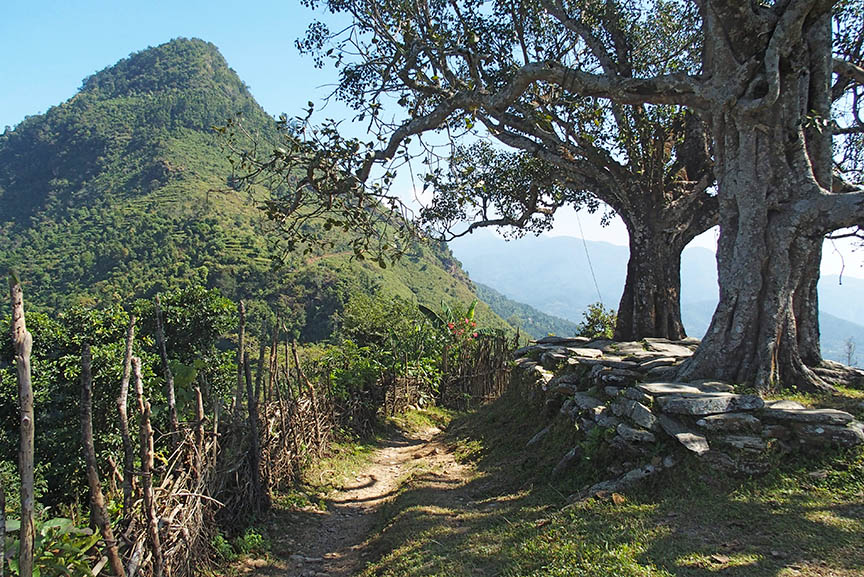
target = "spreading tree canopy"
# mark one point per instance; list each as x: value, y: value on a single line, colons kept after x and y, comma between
x: 765, y: 81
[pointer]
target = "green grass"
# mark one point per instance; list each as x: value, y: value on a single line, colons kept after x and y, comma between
x: 421, y: 420
x: 846, y: 399
x: 806, y: 517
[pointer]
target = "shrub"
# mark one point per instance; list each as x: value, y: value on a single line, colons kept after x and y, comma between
x: 597, y: 323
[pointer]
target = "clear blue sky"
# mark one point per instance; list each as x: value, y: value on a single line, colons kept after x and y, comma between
x: 49, y: 47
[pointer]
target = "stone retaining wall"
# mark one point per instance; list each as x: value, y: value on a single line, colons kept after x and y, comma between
x: 626, y: 389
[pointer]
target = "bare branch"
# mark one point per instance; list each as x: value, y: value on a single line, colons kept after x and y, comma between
x: 848, y: 70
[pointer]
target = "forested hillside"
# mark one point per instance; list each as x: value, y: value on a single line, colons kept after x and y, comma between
x: 120, y: 192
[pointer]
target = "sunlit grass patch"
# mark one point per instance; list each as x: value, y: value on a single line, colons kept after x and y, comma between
x: 510, y: 518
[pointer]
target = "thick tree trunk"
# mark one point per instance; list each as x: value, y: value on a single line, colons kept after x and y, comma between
x: 651, y: 303
x: 772, y: 215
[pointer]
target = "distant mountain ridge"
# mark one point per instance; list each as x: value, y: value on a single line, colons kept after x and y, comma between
x: 528, y: 319
x: 553, y: 275
x: 120, y: 192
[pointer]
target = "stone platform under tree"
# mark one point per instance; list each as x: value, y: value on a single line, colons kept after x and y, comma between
x: 628, y: 391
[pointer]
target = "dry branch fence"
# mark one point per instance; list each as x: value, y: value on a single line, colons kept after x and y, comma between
x: 219, y: 467
x: 480, y: 374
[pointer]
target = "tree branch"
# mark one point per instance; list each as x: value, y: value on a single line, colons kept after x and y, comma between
x: 848, y: 70
x: 680, y: 88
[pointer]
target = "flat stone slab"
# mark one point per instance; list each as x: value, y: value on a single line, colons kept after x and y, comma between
x: 634, y: 435
x: 658, y: 388
x: 601, y: 344
x: 662, y: 388
x: 583, y: 352
x: 585, y: 401
x: 730, y: 422
x: 658, y: 362
x: 637, y: 395
x: 743, y: 442
x: 708, y: 403
x: 553, y: 359
x: 644, y: 356
x: 668, y: 347
x: 562, y: 341
x: 662, y: 372
x: 604, y: 417
x: 783, y: 404
x: 626, y: 348
x: 611, y: 362
x: 815, y: 416
x: 712, y: 385
x: 849, y: 436
x: 692, y: 440
x: 636, y: 412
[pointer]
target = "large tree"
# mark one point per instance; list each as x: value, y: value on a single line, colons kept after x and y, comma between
x: 476, y: 67
x: 763, y: 81
x: 769, y: 76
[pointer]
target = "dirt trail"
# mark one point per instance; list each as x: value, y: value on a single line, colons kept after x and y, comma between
x: 335, y: 543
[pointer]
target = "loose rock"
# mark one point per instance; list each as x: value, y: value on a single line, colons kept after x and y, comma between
x: 690, y: 439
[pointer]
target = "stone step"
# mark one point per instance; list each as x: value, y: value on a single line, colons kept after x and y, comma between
x: 815, y: 416
x: 708, y: 403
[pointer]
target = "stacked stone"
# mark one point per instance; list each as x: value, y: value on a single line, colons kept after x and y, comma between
x: 621, y: 387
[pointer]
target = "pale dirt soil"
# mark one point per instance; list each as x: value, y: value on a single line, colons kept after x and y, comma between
x: 334, y: 543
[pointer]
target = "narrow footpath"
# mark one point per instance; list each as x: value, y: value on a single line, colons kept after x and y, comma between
x: 335, y: 542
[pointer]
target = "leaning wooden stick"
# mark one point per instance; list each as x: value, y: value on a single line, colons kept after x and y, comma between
x: 98, y: 512
x: 147, y: 471
x: 22, y: 341
x: 122, y: 402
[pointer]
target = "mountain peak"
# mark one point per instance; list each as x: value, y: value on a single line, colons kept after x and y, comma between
x: 180, y: 64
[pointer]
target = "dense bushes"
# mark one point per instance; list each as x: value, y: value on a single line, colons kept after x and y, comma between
x: 196, y: 321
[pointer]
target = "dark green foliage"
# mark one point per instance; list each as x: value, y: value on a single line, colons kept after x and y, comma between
x: 121, y: 192
x: 598, y: 322
x: 195, y: 321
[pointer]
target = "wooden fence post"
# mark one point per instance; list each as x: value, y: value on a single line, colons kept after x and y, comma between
x: 199, y: 433
x: 169, y: 376
x: 98, y: 512
x: 254, y: 441
x: 22, y: 342
x: 122, y: 409
x: 146, y: 438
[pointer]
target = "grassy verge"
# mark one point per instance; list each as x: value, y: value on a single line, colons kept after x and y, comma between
x: 508, y: 518
x: 421, y: 420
